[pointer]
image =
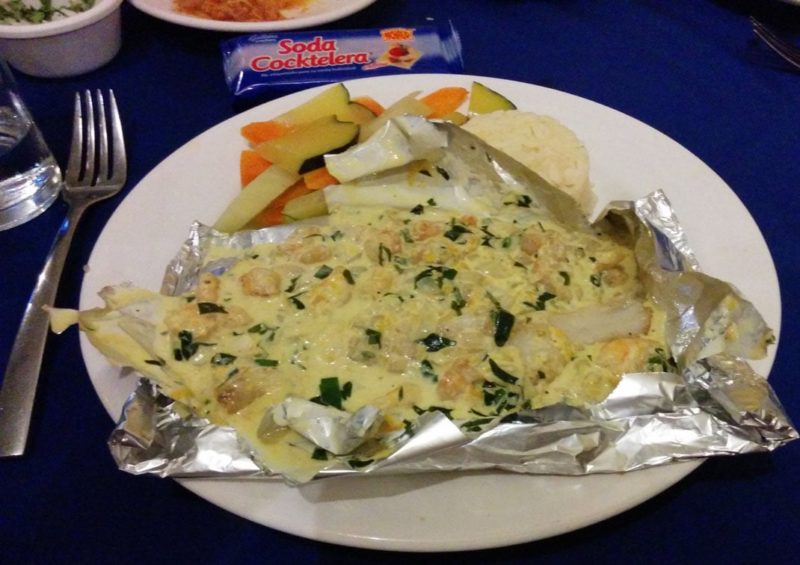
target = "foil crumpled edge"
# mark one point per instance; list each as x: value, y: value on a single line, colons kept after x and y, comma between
x: 717, y: 406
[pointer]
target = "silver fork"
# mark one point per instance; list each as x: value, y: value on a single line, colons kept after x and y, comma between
x: 96, y: 170
x: 786, y: 50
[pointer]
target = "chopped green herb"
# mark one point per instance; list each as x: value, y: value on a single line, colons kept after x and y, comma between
x: 319, y: 454
x: 297, y: 303
x: 331, y: 394
x: 292, y: 284
x: 261, y: 362
x: 359, y: 463
x: 434, y: 342
x: 565, y: 276
x: 223, y: 359
x: 596, y: 280
x: 418, y: 209
x: 157, y: 362
x: 445, y: 273
x: 323, y: 272
x: 455, y: 231
x: 443, y: 172
x: 210, y: 308
x: 503, y: 322
x: 384, y: 254
x: 426, y: 368
x: 458, y: 301
x: 475, y: 425
x: 541, y: 301
x: 187, y: 346
x: 431, y: 202
x: 373, y: 337
x: 524, y: 201
x: 348, y: 276
x: 501, y: 374
x: 420, y: 411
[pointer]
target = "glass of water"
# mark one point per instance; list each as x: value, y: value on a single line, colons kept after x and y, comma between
x: 29, y: 175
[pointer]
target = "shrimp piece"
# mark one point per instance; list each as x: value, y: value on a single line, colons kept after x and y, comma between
x: 457, y: 378
x: 397, y: 347
x: 261, y: 282
x: 626, y: 354
x: 471, y: 332
x: 234, y: 317
x: 188, y: 318
x: 424, y: 229
x: 531, y: 240
x: 333, y: 290
x: 207, y: 288
x: 314, y: 253
x: 383, y: 245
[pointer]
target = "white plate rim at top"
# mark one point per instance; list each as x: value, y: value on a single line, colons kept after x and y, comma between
x: 435, y: 511
x: 318, y: 12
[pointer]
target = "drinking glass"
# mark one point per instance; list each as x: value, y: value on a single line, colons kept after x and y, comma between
x: 29, y: 175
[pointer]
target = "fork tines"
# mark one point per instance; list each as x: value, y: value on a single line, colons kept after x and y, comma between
x: 787, y: 51
x: 94, y: 159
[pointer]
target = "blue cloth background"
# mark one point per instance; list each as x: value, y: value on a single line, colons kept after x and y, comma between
x: 690, y: 68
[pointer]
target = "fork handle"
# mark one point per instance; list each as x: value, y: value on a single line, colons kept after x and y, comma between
x: 25, y: 361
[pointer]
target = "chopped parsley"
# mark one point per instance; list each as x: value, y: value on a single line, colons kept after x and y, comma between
x: 323, y: 272
x: 501, y: 373
x: 373, y: 337
x: 455, y: 231
x: 223, y: 359
x: 331, y: 394
x: 541, y: 301
x: 210, y: 308
x: 426, y: 368
x: 435, y: 342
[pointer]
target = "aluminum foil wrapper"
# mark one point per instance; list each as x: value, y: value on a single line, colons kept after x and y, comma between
x: 717, y: 405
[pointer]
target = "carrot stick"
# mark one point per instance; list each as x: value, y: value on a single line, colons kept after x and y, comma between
x: 370, y: 103
x: 256, y: 132
x: 251, y: 164
x: 319, y: 178
x: 272, y: 215
x: 445, y: 100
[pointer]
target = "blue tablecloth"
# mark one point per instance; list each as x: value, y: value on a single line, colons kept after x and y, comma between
x: 690, y: 68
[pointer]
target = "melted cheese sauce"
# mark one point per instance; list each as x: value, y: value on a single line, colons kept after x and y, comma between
x: 406, y: 310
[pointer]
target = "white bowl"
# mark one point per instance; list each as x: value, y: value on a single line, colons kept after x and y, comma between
x: 68, y: 46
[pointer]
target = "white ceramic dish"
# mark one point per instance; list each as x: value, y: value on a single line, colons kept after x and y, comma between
x: 433, y: 512
x: 317, y: 12
x: 67, y: 46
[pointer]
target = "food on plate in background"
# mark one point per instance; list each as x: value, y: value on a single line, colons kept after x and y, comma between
x: 239, y: 10
x: 39, y: 11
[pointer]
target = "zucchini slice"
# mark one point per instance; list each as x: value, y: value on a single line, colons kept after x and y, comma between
x: 303, y: 149
x: 483, y: 100
x: 329, y: 102
x: 254, y: 197
x: 309, y: 205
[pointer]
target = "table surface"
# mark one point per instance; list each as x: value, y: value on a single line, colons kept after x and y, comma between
x: 690, y: 68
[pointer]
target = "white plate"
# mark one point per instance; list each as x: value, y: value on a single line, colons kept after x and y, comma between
x: 317, y: 12
x: 433, y: 512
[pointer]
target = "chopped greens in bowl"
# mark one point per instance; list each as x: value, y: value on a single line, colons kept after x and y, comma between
x: 39, y: 11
